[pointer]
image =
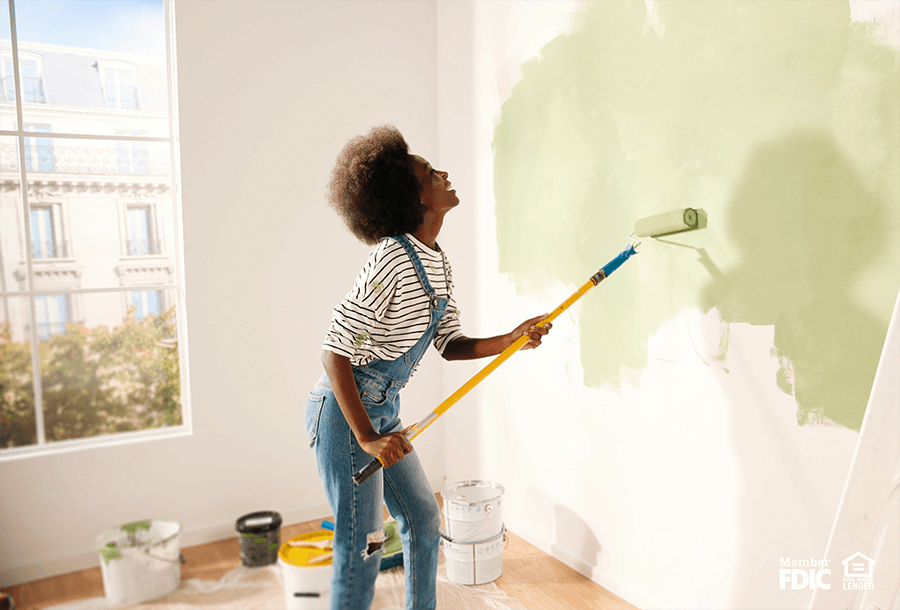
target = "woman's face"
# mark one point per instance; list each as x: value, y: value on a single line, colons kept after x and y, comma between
x: 437, y: 194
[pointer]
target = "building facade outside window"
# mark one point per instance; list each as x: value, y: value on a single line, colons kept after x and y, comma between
x: 91, y: 297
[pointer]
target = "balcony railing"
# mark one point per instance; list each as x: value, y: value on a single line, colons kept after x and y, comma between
x: 49, y: 249
x: 32, y: 90
x: 88, y: 160
x: 144, y: 247
x: 122, y: 97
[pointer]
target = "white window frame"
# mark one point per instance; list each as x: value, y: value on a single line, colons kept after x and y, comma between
x: 172, y: 287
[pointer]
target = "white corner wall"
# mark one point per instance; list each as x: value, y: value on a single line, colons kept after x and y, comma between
x: 269, y: 93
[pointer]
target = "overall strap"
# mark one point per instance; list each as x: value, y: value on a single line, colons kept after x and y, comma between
x: 417, y: 264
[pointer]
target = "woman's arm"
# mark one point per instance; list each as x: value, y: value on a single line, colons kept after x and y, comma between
x: 466, y: 348
x: 389, y: 448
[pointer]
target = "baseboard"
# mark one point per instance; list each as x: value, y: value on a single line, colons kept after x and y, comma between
x: 615, y: 586
x: 190, y: 536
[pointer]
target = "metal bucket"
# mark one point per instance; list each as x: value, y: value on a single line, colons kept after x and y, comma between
x: 473, y: 511
x: 475, y: 563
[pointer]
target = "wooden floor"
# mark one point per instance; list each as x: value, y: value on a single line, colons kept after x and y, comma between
x: 535, y: 579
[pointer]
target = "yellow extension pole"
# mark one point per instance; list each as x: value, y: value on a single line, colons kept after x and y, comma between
x: 416, y: 429
x: 499, y: 359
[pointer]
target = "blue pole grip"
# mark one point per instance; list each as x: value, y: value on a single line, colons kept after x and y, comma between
x: 617, y: 262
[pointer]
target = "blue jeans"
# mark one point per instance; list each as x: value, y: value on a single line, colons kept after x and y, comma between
x: 404, y: 488
x: 358, y: 512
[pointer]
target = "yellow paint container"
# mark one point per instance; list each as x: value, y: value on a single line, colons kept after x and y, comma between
x: 306, y: 566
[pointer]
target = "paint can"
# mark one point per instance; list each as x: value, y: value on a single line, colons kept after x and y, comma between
x: 474, y: 563
x: 140, y: 561
x: 473, y: 511
x: 260, y: 538
x: 307, y: 570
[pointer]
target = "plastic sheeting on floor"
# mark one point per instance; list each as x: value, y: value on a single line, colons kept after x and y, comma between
x: 262, y: 589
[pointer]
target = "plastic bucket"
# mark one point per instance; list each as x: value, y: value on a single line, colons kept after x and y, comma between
x: 140, y: 561
x: 307, y: 582
x: 260, y: 538
x: 473, y: 510
x: 474, y: 563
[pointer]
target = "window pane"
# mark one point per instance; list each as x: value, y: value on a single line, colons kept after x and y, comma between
x: 39, y: 151
x: 45, y: 154
x: 52, y: 315
x: 140, y: 234
x: 17, y: 420
x: 108, y: 222
x: 8, y: 84
x: 104, y: 56
x: 13, y: 275
x: 111, y: 371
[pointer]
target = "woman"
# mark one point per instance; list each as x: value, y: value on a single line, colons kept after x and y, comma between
x: 402, y: 301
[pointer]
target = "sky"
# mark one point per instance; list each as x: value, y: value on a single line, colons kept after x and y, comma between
x: 133, y: 26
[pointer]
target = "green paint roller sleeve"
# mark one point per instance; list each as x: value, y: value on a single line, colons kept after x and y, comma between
x: 676, y: 221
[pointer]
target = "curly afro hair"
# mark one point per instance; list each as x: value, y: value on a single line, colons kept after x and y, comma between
x: 374, y: 186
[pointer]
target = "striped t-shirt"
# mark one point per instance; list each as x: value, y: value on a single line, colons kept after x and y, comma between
x: 387, y: 311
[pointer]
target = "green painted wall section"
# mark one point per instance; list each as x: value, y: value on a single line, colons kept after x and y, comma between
x: 781, y: 119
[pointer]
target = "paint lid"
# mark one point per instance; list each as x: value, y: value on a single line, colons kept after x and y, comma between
x: 305, y: 556
x: 258, y: 523
x: 472, y: 493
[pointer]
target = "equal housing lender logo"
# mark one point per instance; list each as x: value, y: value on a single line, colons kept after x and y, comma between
x: 816, y: 573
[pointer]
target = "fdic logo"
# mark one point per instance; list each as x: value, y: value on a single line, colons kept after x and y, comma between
x: 810, y: 573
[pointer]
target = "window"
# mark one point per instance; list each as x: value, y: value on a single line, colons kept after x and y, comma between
x: 147, y: 302
x: 29, y: 77
x: 45, y: 242
x: 131, y: 156
x: 141, y: 231
x: 119, y: 89
x: 39, y: 155
x: 52, y: 314
x: 92, y: 326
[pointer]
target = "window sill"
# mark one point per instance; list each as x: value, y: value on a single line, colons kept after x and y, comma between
x: 96, y: 442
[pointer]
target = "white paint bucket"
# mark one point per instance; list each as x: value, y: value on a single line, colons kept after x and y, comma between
x: 307, y: 571
x: 140, y: 561
x: 474, y: 563
x: 473, y: 510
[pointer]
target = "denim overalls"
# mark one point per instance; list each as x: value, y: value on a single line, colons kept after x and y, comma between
x: 403, y: 487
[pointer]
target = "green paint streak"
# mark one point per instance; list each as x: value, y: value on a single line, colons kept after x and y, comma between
x: 779, y: 118
x: 133, y: 528
x: 109, y: 552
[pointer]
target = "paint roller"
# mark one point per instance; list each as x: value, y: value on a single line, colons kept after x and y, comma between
x: 668, y: 223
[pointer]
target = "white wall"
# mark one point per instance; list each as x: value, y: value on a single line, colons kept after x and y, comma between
x: 683, y: 484
x: 269, y: 93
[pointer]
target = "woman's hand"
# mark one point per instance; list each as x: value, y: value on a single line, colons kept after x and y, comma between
x: 389, y: 448
x: 466, y: 348
x: 535, y: 333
